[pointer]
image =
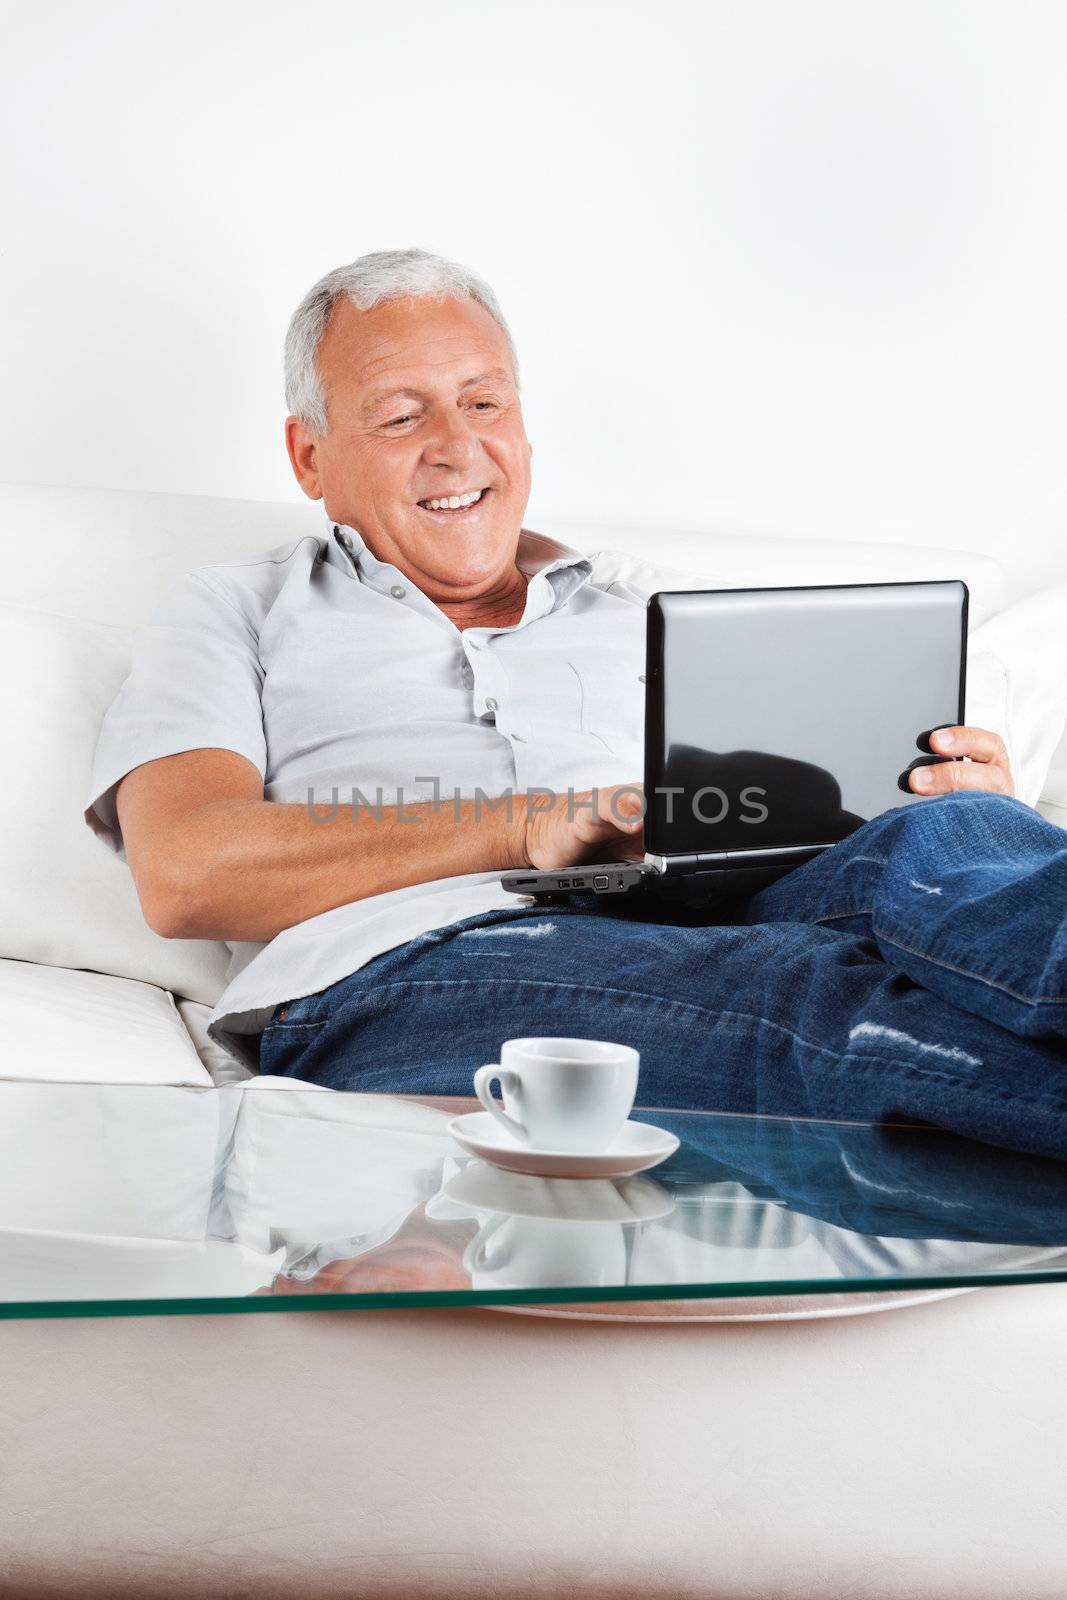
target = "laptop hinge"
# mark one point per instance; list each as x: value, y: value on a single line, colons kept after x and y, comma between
x: 774, y: 853
x: 672, y: 866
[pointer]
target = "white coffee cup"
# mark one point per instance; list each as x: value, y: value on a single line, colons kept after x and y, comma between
x: 562, y: 1094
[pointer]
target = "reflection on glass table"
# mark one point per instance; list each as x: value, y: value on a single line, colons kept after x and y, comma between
x: 273, y: 1195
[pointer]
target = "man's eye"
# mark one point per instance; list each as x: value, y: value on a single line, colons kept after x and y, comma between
x: 399, y: 421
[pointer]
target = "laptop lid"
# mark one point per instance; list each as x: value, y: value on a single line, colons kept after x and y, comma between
x: 784, y: 717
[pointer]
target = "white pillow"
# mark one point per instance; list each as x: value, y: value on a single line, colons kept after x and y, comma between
x: 1026, y: 645
x: 1016, y: 663
x: 68, y: 900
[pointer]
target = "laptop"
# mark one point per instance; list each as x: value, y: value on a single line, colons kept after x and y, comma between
x: 777, y: 722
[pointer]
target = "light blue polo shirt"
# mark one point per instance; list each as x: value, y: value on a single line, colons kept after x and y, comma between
x: 329, y: 669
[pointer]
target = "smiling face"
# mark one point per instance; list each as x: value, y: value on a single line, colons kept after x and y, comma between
x: 422, y: 406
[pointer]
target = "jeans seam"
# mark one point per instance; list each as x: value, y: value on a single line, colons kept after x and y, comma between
x: 976, y: 977
x: 839, y: 1058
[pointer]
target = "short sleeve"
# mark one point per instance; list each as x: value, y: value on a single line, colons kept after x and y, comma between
x: 194, y: 683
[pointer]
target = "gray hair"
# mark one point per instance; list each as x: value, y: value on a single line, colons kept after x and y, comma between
x: 383, y: 275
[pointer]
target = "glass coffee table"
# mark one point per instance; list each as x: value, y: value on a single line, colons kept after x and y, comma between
x: 276, y: 1196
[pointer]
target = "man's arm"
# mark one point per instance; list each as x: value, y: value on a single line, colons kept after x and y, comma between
x: 213, y: 860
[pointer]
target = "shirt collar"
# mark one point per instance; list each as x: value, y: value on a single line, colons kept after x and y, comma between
x: 537, y: 556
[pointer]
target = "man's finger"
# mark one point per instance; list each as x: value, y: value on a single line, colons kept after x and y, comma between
x: 625, y: 806
x: 978, y: 743
x: 947, y: 777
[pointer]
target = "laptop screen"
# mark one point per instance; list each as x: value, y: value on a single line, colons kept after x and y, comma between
x: 785, y: 717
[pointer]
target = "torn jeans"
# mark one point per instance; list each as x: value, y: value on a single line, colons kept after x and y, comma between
x: 916, y: 970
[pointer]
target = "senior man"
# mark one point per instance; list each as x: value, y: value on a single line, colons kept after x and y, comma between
x: 298, y: 763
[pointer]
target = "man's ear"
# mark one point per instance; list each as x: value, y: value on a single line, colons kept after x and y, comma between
x: 302, y: 444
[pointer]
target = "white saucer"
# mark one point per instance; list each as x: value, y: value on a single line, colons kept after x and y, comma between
x: 635, y: 1148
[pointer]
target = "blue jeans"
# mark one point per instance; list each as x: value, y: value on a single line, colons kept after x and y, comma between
x: 917, y: 970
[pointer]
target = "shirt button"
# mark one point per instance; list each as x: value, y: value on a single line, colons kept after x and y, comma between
x: 397, y: 591
x: 491, y: 704
x: 346, y: 540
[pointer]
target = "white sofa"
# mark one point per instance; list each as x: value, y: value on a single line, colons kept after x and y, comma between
x: 915, y: 1452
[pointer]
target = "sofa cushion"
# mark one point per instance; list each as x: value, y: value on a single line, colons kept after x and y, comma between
x: 90, y: 1027
x: 90, y: 1161
x: 68, y: 900
x: 95, y: 1160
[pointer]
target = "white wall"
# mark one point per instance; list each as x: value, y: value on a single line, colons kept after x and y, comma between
x: 780, y: 265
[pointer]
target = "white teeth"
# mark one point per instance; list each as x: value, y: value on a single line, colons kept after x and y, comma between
x: 454, y: 501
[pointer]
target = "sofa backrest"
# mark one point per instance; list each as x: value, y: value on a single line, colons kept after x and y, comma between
x: 105, y: 555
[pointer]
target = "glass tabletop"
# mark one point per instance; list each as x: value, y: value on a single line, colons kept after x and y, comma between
x: 118, y: 1199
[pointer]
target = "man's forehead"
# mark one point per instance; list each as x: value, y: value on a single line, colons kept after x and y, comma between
x: 398, y: 346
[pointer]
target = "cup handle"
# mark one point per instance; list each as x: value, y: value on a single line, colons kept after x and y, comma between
x: 483, y: 1079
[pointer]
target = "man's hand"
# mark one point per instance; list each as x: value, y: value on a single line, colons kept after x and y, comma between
x: 598, y: 825
x: 986, y: 766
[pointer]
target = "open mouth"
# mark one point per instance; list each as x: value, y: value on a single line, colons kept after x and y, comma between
x: 449, y: 508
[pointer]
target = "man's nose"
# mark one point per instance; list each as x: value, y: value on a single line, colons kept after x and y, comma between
x: 453, y: 442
